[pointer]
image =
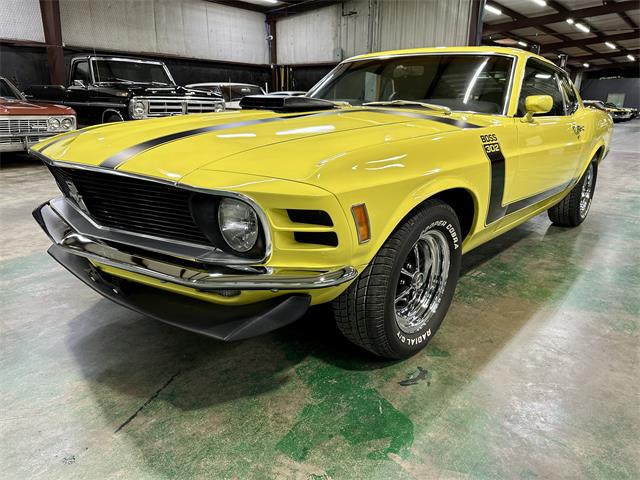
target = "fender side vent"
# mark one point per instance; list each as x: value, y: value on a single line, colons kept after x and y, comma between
x: 313, y: 217
x: 329, y: 239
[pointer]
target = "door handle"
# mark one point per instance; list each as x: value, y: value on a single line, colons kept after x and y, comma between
x: 577, y: 129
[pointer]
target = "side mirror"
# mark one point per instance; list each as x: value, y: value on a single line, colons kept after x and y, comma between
x: 536, y: 104
x: 78, y: 83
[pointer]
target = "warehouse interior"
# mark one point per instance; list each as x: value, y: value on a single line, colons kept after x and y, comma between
x: 535, y: 373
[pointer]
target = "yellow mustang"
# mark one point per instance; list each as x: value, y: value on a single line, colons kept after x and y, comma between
x: 365, y: 193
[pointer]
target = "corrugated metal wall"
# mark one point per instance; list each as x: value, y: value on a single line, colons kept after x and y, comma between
x: 363, y: 26
x: 311, y: 37
x: 422, y: 23
x: 189, y: 28
x: 21, y: 20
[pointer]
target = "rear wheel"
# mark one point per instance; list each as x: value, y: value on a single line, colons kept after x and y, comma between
x: 573, y: 208
x: 398, y: 302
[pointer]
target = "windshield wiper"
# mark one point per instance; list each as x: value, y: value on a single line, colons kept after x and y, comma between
x: 408, y: 103
x: 116, y: 79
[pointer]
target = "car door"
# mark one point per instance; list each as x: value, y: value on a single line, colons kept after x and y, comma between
x: 580, y: 124
x: 548, y: 147
x: 78, y: 96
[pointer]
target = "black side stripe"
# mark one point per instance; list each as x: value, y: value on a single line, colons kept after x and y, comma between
x: 496, y: 209
x: 539, y: 197
x: 497, y: 164
x: 119, y: 158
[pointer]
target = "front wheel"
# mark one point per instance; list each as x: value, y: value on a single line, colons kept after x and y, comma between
x: 573, y: 209
x: 398, y: 302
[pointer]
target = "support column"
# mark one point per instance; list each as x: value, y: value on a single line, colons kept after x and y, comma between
x: 50, y: 12
x: 475, y: 22
x: 273, y: 53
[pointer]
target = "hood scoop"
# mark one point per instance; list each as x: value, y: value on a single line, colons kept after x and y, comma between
x: 278, y: 103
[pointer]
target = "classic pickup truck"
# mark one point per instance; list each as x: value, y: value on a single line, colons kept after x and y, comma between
x: 365, y: 193
x: 110, y: 89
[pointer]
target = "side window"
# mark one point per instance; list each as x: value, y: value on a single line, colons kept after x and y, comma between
x: 541, y: 80
x: 81, y: 72
x: 570, y: 94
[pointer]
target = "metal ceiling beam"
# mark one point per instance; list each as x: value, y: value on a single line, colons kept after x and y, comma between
x: 549, y: 47
x: 598, y: 56
x: 561, y: 17
x: 242, y: 5
x: 542, y: 28
x: 298, y: 7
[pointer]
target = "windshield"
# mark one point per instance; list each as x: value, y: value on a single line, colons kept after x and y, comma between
x: 9, y: 91
x: 234, y: 93
x: 121, y: 71
x: 477, y: 83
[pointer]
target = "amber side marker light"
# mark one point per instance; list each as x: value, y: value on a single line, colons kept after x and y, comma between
x: 361, y: 218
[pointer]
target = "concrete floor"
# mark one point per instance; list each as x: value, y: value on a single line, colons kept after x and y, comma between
x: 534, y: 374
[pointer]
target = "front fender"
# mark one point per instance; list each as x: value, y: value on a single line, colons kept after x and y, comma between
x: 387, y: 209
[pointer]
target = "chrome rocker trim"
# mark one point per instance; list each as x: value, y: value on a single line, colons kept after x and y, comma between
x: 73, y: 242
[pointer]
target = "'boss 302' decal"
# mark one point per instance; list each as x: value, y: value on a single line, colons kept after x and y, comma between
x: 496, y: 209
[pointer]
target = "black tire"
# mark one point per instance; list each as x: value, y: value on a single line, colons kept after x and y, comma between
x: 366, y: 313
x: 568, y: 213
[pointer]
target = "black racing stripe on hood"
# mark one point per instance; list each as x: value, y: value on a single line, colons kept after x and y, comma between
x: 119, y: 158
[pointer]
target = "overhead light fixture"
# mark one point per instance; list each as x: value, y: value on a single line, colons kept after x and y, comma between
x: 542, y: 3
x: 610, y: 45
x: 494, y: 10
x: 570, y: 21
x: 270, y: 1
x: 523, y: 44
x: 631, y: 57
x: 582, y: 27
x: 585, y: 65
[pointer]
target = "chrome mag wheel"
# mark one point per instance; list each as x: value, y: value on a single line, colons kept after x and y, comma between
x: 422, y: 282
x: 586, y: 192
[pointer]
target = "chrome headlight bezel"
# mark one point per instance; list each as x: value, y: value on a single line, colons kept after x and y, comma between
x: 61, y: 123
x: 138, y: 108
x: 239, y: 224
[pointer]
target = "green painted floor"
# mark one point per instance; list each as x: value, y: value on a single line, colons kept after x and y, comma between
x: 534, y: 374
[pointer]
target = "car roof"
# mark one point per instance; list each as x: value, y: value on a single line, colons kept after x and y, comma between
x: 517, y: 52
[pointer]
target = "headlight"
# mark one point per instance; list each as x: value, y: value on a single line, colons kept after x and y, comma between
x: 54, y: 124
x: 138, y: 109
x: 219, y: 107
x: 238, y: 224
x: 66, y: 123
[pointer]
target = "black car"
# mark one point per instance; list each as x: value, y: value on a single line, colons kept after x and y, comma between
x: 109, y: 89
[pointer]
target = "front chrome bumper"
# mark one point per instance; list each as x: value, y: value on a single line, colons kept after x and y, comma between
x: 56, y: 220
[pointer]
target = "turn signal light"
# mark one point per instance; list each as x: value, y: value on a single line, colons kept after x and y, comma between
x: 361, y: 217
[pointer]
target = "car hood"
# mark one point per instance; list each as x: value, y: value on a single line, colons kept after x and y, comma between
x: 149, y: 90
x: 293, y: 146
x: 21, y: 107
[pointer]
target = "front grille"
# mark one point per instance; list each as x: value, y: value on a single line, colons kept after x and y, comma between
x: 164, y: 106
x: 22, y: 126
x: 131, y: 204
